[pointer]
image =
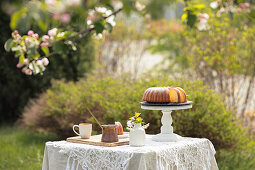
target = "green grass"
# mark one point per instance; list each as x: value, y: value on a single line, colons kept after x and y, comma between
x: 20, y: 149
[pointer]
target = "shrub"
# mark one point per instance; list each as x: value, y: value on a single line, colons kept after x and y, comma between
x: 112, y: 99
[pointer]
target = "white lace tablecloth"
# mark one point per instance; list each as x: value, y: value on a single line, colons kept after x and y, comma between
x: 188, y: 153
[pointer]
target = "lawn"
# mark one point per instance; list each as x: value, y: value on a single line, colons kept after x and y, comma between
x: 22, y: 149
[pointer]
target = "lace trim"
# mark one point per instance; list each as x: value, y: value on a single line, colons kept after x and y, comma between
x: 189, y: 153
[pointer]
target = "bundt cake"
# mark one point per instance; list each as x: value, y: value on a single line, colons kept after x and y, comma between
x: 119, y: 128
x: 165, y: 95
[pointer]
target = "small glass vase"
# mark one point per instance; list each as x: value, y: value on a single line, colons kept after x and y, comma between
x: 137, y: 135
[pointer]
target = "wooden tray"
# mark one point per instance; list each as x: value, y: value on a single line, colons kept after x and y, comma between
x: 96, y: 140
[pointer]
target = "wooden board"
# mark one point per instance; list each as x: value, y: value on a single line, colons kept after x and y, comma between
x: 96, y: 140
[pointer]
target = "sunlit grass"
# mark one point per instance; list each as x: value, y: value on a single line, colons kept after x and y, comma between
x: 20, y: 149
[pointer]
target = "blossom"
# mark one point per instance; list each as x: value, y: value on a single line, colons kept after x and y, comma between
x: 239, y: 10
x: 111, y: 21
x: 202, y: 21
x: 214, y: 5
x: 101, y: 9
x: 146, y: 126
x: 15, y: 31
x: 27, y: 41
x: 89, y: 22
x: 50, y: 2
x: 45, y: 38
x: 139, y: 6
x: 45, y: 61
x: 26, y: 61
x: 55, y: 15
x: 247, y: 5
x: 28, y: 72
x: 75, y: 2
x: 98, y: 36
x: 30, y: 33
x: 34, y: 68
x: 36, y: 35
x: 52, y: 32
x: 65, y: 18
x: 43, y: 44
x: 18, y: 65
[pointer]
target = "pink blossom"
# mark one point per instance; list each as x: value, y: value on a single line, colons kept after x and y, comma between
x: 50, y: 2
x: 45, y: 38
x: 239, y: 10
x: 43, y: 44
x: 27, y: 41
x: 241, y: 5
x: 247, y: 5
x: 30, y: 33
x: 15, y: 31
x: 28, y: 72
x: 55, y: 15
x: 91, y: 18
x: 18, y: 36
x: 18, y: 65
x: 52, y: 32
x: 75, y: 2
x: 65, y: 18
x: 36, y: 35
x: 45, y: 61
x: 23, y: 70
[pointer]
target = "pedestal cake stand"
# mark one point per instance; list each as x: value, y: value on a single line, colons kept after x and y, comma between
x: 166, y: 134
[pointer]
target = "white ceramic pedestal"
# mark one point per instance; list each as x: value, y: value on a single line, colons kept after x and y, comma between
x: 166, y: 134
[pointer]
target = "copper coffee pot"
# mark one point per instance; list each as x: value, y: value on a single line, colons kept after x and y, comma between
x: 109, y: 133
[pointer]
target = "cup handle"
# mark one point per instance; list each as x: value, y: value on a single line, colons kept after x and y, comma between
x: 75, y: 130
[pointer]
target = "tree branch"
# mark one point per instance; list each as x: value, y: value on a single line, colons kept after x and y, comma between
x: 83, y: 33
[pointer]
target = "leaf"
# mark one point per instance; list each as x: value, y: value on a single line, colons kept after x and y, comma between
x: 184, y: 16
x: 46, y: 51
x: 191, y: 19
x: 60, y: 48
x: 8, y: 45
x: 16, y: 16
x: 139, y: 120
x: 21, y: 59
x: 31, y: 49
x: 42, y: 25
x: 109, y: 27
x: 137, y: 114
x: 17, y: 48
x: 199, y: 6
x: 99, y: 26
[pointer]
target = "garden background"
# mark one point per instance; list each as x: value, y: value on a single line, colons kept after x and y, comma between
x: 60, y: 57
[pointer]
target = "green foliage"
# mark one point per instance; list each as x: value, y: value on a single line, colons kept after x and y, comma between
x: 116, y: 99
x: 21, y: 149
x: 136, y: 118
x: 239, y: 159
x: 17, y: 88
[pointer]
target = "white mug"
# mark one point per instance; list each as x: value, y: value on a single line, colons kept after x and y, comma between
x: 85, y: 130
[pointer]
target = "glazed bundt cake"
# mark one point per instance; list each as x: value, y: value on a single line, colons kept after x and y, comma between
x: 165, y: 95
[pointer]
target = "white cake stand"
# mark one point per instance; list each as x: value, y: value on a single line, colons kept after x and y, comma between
x: 166, y: 134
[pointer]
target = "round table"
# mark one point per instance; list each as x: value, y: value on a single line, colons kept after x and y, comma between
x: 187, y: 153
